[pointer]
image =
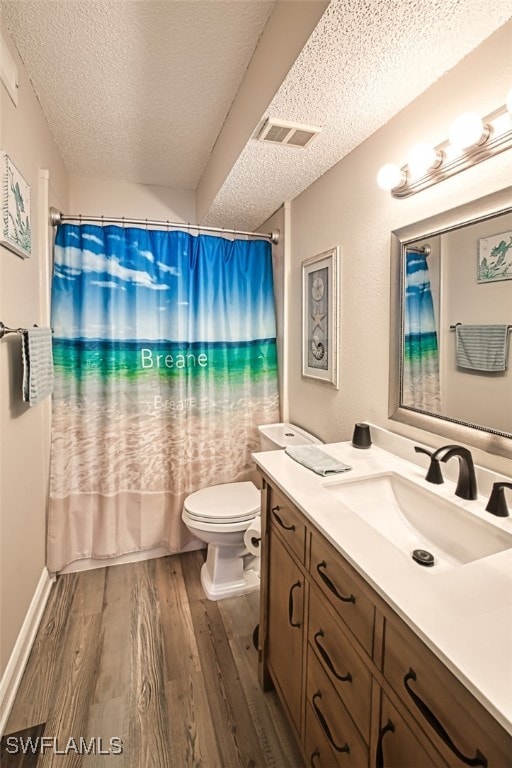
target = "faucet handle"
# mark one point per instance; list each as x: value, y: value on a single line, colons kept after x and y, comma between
x: 434, y: 474
x: 497, y: 504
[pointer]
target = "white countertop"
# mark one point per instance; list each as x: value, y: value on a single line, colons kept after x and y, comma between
x: 464, y: 615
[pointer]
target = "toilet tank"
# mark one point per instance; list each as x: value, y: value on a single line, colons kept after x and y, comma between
x: 276, y: 436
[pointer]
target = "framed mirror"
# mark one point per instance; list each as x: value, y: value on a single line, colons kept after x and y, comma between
x: 451, y: 324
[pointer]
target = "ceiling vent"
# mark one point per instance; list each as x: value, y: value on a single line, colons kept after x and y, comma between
x: 292, y: 134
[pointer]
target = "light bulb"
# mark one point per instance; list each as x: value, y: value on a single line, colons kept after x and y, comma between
x: 422, y: 158
x: 467, y: 130
x: 390, y: 176
x: 509, y: 101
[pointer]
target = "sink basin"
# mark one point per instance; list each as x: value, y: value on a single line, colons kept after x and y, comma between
x: 413, y: 518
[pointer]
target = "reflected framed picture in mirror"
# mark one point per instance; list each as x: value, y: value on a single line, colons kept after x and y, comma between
x: 320, y: 312
x: 495, y: 257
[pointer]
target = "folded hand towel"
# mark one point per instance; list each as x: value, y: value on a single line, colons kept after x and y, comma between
x: 37, y: 364
x: 481, y: 347
x: 314, y: 458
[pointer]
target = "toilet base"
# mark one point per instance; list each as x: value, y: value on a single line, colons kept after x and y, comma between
x: 223, y: 576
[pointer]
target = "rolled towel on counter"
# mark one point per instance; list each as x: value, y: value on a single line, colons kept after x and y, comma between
x: 252, y: 537
x: 317, y: 460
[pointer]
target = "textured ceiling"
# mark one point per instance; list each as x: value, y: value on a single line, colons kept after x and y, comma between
x: 138, y: 90
x: 365, y: 61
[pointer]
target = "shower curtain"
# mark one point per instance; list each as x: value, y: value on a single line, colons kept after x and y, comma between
x: 420, y: 380
x: 165, y: 363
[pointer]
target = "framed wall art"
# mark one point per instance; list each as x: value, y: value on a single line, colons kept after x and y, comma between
x: 16, y: 231
x: 320, y: 316
x: 495, y: 257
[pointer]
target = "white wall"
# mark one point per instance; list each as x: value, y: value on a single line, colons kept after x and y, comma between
x: 25, y: 432
x: 346, y: 208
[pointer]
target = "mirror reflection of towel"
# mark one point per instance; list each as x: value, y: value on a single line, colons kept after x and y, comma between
x: 37, y: 364
x: 481, y: 347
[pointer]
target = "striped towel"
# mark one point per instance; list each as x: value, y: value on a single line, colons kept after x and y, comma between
x: 37, y: 364
x: 315, y: 459
x: 481, y: 347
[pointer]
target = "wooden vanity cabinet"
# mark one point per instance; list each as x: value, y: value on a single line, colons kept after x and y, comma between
x: 358, y: 685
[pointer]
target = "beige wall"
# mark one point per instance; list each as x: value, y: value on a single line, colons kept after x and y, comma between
x: 25, y: 431
x: 93, y: 197
x: 279, y: 265
x: 483, y: 398
x: 346, y: 208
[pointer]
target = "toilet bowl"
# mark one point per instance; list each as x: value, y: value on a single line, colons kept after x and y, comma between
x: 220, y: 514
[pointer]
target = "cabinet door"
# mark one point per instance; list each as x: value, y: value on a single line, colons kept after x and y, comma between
x: 397, y: 746
x: 285, y: 626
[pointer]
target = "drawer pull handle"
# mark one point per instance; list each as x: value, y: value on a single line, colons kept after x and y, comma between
x: 379, y: 758
x: 331, y: 586
x: 325, y: 656
x: 275, y: 510
x: 478, y: 760
x: 313, y: 757
x: 290, y: 605
x: 325, y: 727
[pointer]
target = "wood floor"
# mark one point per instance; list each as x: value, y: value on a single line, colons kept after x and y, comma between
x: 136, y: 652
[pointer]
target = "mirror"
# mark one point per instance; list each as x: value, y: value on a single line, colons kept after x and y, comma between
x: 451, y: 324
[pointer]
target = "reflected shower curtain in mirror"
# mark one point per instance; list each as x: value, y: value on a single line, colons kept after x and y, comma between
x: 165, y: 363
x: 420, y: 375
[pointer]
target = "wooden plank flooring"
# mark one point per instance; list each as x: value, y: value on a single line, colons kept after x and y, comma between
x: 136, y: 652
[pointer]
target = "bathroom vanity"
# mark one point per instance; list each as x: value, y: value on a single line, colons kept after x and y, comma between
x: 377, y: 660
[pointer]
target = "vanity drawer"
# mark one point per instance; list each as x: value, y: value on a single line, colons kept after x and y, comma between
x: 342, y: 586
x: 333, y: 719
x: 289, y: 522
x: 459, y: 727
x: 318, y: 751
x: 346, y: 670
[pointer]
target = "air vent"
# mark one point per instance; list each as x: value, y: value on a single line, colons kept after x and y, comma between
x: 293, y: 134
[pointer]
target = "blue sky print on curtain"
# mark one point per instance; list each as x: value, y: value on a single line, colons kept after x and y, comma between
x: 420, y: 383
x: 165, y: 363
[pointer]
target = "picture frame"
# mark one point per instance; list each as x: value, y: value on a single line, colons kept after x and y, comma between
x: 16, y: 234
x: 320, y: 317
x: 494, y: 257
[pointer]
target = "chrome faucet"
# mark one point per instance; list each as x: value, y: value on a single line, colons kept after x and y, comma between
x: 497, y: 504
x: 466, y: 485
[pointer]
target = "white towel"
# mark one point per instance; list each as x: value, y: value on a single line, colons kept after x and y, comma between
x: 481, y: 347
x: 315, y: 459
x: 37, y: 364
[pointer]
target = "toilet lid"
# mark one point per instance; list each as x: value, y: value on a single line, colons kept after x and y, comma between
x: 228, y: 503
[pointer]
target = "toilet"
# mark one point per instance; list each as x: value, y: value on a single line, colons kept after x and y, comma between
x: 220, y: 515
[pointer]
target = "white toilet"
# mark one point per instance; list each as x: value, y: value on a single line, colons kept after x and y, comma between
x: 220, y: 515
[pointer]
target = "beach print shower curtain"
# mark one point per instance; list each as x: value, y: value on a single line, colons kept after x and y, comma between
x: 420, y: 380
x: 165, y: 363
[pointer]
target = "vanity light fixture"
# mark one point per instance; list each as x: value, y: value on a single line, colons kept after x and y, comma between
x: 471, y: 141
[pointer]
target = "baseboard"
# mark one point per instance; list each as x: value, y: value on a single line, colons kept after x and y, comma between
x: 17, y: 662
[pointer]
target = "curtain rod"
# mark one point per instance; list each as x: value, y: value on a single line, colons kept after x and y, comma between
x: 57, y: 217
x: 426, y: 249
